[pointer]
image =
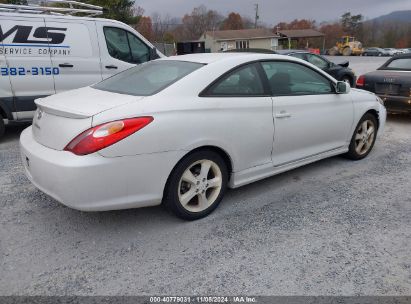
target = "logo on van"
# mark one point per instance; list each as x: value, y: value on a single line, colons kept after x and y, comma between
x: 22, y: 33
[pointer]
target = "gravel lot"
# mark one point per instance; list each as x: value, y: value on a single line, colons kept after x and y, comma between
x: 335, y: 227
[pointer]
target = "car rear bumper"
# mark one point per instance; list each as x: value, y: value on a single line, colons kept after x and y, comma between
x: 397, y: 104
x: 96, y: 183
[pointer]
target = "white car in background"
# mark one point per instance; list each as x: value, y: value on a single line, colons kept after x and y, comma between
x: 179, y: 130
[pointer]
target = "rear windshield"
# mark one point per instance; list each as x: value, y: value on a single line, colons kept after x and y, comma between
x: 148, y: 78
x: 398, y: 64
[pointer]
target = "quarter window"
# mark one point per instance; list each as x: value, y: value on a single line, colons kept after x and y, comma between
x: 288, y: 78
x: 124, y: 46
x: 244, y: 81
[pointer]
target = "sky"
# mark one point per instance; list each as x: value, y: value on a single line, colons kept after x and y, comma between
x: 273, y: 11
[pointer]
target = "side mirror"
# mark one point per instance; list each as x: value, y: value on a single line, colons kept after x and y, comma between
x: 342, y: 87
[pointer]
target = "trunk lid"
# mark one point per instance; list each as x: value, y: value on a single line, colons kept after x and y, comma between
x: 60, y: 118
x: 83, y: 103
x: 387, y: 82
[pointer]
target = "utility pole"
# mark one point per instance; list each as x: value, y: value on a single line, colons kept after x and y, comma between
x: 256, y: 15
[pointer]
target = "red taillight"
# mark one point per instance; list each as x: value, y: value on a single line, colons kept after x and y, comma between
x: 361, y: 81
x: 105, y: 135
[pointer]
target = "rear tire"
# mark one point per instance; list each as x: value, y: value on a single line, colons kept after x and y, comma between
x: 197, y: 185
x: 2, y: 127
x: 363, y: 139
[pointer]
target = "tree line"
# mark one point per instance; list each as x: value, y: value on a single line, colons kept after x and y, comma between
x: 164, y: 28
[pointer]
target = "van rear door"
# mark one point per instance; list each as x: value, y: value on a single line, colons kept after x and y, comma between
x: 26, y: 47
x: 77, y: 60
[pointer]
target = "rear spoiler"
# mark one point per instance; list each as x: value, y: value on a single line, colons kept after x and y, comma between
x: 60, y: 112
x: 344, y: 64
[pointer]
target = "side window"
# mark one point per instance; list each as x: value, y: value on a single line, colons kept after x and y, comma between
x: 288, y: 78
x: 244, y: 81
x: 139, y: 50
x: 317, y: 61
x: 124, y: 46
x: 117, y: 43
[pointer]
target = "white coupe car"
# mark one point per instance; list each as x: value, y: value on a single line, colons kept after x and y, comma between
x: 179, y: 130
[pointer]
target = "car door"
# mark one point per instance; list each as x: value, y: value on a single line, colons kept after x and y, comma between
x: 75, y: 57
x: 240, y: 102
x: 120, y: 49
x: 6, y: 95
x: 26, y: 47
x: 309, y: 118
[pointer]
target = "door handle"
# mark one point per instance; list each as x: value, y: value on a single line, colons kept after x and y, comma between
x: 66, y: 65
x: 111, y: 67
x: 282, y: 114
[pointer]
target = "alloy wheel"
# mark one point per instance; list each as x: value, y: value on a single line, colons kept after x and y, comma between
x: 364, y: 137
x: 200, y: 185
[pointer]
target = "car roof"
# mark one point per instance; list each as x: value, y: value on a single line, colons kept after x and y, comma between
x: 286, y: 52
x: 207, y: 58
x: 251, y: 50
x: 47, y: 16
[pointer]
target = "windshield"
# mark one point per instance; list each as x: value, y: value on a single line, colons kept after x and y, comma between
x: 148, y: 78
x: 398, y: 64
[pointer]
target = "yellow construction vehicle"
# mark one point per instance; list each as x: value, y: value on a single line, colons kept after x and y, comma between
x: 347, y: 46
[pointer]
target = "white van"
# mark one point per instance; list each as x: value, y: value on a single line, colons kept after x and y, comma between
x: 44, y: 54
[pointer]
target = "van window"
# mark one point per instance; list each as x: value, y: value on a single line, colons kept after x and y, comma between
x: 124, y: 46
x: 149, y: 78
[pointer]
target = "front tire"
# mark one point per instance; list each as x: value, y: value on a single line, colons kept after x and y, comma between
x: 363, y: 139
x: 197, y: 185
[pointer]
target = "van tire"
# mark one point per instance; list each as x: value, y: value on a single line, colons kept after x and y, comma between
x: 2, y: 127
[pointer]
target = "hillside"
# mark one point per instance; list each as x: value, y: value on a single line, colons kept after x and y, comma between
x: 397, y: 16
